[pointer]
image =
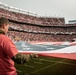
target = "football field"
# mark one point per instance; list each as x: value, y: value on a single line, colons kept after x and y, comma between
x: 44, y: 65
x: 47, y: 66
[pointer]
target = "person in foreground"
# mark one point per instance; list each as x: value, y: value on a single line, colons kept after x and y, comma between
x: 8, y: 51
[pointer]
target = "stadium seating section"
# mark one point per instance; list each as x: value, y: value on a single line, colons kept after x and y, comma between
x: 33, y: 28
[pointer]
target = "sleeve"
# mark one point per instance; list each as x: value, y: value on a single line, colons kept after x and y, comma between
x: 9, y: 47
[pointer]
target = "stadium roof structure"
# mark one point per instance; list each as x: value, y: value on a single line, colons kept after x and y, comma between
x: 10, y: 8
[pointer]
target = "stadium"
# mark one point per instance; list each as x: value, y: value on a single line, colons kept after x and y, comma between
x: 27, y: 29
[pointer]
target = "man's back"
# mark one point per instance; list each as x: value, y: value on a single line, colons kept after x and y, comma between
x: 6, y: 63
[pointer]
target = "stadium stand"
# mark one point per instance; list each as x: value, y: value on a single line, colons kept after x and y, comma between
x: 27, y: 27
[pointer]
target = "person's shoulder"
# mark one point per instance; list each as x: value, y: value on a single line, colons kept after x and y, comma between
x: 4, y: 37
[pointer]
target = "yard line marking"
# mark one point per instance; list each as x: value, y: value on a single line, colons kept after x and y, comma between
x: 40, y: 59
x: 19, y: 70
x: 57, y: 61
x: 38, y: 62
x: 29, y: 66
x: 42, y: 68
x: 60, y: 62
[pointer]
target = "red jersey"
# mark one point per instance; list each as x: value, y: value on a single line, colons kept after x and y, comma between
x: 7, y: 51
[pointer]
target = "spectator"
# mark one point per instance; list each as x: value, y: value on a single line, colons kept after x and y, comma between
x: 8, y: 51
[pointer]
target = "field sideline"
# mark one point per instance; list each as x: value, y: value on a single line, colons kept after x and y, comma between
x: 47, y: 66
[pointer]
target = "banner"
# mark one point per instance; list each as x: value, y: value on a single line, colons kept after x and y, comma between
x: 51, y: 49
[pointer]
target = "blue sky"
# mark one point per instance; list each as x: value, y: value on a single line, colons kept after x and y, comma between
x: 51, y: 8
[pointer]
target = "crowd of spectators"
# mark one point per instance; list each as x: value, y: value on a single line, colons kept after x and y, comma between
x: 27, y: 32
x: 30, y: 37
x: 42, y: 29
x: 32, y: 28
x: 26, y: 18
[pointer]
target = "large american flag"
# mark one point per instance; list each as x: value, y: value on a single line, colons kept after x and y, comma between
x: 52, y: 49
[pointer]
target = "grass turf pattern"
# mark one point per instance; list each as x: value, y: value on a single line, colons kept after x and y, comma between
x: 47, y: 66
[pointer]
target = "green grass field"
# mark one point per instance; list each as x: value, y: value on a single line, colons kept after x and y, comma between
x: 47, y: 66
